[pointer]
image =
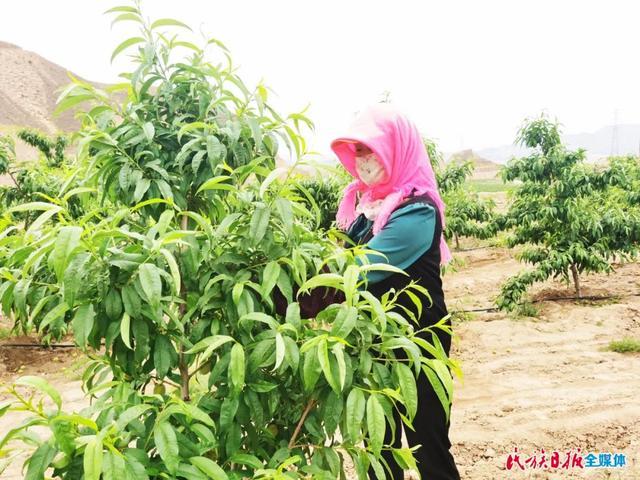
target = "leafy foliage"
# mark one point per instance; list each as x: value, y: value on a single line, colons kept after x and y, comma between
x: 323, y: 195
x: 52, y: 175
x: 567, y: 214
x: 51, y: 149
x: 169, y: 287
x: 467, y: 215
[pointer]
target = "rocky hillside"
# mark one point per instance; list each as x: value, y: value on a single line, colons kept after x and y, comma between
x: 484, y: 169
x: 29, y: 87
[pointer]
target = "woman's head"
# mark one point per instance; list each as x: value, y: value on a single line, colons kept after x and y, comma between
x: 384, y: 152
x: 382, y: 136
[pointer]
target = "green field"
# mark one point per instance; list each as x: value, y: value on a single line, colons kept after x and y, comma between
x: 490, y: 185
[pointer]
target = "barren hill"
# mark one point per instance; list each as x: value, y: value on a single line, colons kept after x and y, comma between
x: 484, y: 169
x: 29, y: 87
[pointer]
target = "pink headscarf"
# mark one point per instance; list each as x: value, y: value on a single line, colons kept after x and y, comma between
x: 398, y: 145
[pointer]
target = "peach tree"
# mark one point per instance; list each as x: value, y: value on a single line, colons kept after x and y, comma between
x: 168, y: 285
x: 50, y: 175
x: 569, y: 216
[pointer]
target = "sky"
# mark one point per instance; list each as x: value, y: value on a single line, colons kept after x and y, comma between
x: 467, y: 72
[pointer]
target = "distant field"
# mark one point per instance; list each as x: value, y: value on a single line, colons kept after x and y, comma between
x: 490, y: 185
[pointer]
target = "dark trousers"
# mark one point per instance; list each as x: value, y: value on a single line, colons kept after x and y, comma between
x: 431, y: 430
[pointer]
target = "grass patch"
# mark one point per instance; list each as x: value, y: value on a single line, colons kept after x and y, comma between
x: 599, y: 303
x: 455, y: 264
x: 490, y: 185
x: 462, y: 316
x: 525, y: 310
x: 626, y: 345
x: 5, y: 333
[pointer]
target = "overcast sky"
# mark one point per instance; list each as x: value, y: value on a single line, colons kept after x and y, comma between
x: 467, y: 71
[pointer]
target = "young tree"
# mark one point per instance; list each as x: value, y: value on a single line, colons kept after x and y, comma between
x: 51, y: 175
x: 564, y: 213
x: 172, y: 287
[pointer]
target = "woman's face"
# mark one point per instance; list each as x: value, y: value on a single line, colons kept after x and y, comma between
x: 368, y: 167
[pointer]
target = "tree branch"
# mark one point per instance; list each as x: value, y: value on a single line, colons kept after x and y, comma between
x: 308, y: 408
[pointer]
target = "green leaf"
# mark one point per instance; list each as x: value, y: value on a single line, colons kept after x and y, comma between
x: 375, y: 424
x: 408, y: 388
x: 215, y: 183
x: 131, y: 301
x: 169, y: 22
x: 113, y: 304
x: 259, y: 317
x: 325, y: 365
x: 270, y: 277
x: 189, y: 471
x: 212, y: 343
x: 42, y: 219
x: 259, y: 223
x: 293, y: 315
x: 125, y: 330
x: 439, y: 389
x: 149, y: 131
x: 215, y: 150
x: 141, y: 188
x: 73, y: 277
x: 127, y: 17
x: 292, y: 353
x: 113, y: 466
x: 228, y: 412
x: 286, y: 213
x: 376, y: 466
x: 124, y: 45
x: 26, y: 207
x: 40, y: 461
x: 275, y: 173
x: 284, y: 284
x: 355, y: 410
x: 151, y: 283
x: 173, y: 267
x: 82, y: 324
x: 197, y: 414
x: 246, y: 459
x: 140, y: 331
x: 51, y: 316
x: 237, y: 367
x: 280, y: 351
x: 122, y: 9
x: 338, y: 352
x: 167, y: 445
x: 93, y: 459
x: 345, y: 322
x: 66, y: 242
x: 163, y: 355
x: 130, y: 414
x: 311, y: 370
x: 209, y: 467
x: 350, y: 282
x: 405, y: 458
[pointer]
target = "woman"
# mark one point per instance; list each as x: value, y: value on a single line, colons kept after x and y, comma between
x: 394, y: 207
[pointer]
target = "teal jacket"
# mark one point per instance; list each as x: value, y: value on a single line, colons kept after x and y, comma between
x: 407, y: 235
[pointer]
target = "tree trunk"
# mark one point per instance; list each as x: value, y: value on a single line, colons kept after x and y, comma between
x: 183, y: 365
x: 455, y: 235
x: 576, y: 279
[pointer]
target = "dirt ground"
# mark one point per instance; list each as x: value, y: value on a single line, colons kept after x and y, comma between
x: 533, y: 383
